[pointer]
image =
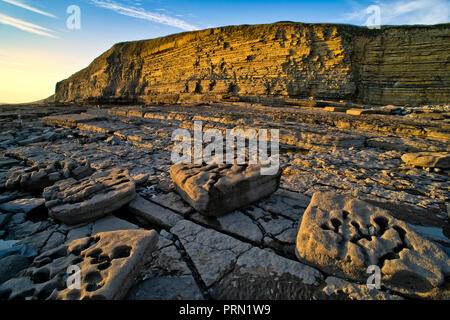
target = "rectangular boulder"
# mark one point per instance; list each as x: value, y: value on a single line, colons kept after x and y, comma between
x: 215, y: 190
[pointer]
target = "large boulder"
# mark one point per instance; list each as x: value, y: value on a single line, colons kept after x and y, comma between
x: 428, y: 159
x: 73, y: 202
x: 108, y: 263
x: 215, y: 190
x: 344, y: 236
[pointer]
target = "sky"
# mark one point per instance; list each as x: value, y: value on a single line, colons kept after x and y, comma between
x: 45, y: 41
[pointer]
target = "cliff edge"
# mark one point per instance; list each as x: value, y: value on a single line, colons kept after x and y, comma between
x: 392, y: 65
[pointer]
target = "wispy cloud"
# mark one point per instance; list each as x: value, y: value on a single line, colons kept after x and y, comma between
x: 27, y: 7
x: 397, y: 12
x: 141, y: 13
x: 26, y: 26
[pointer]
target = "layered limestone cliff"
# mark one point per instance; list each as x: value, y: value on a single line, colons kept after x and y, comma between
x: 393, y: 65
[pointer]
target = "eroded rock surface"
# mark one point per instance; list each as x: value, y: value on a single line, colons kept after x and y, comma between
x: 108, y: 263
x: 339, y: 287
x: 428, y: 159
x: 215, y: 190
x: 345, y: 236
x: 73, y: 202
x: 71, y: 120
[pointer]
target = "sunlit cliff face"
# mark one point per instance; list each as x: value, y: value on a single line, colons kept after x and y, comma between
x: 381, y: 66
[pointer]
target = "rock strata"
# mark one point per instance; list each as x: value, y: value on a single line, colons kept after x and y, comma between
x: 396, y: 65
x: 70, y: 120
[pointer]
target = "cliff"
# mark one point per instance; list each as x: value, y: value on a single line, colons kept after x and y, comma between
x: 393, y: 65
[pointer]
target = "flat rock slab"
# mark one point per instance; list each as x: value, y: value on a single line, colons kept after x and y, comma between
x: 213, y: 253
x: 22, y: 205
x: 263, y: 275
x: 153, y: 213
x: 35, y: 154
x: 428, y: 159
x: 173, y: 201
x: 344, y: 236
x: 70, y: 120
x: 11, y: 265
x: 111, y: 223
x: 214, y: 190
x: 166, y: 276
x: 108, y: 263
x: 105, y: 224
x: 4, y: 161
x: 308, y: 137
x: 235, y: 223
x: 74, y: 202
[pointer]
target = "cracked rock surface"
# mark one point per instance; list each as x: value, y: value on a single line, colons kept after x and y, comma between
x: 249, y: 252
x: 262, y: 274
x: 213, y: 253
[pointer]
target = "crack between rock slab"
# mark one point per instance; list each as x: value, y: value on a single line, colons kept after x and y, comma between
x: 195, y: 273
x: 168, y: 208
x: 230, y: 234
x: 294, y: 191
x: 229, y: 271
x: 263, y: 231
x: 276, y: 214
x: 210, y: 247
x: 46, y: 241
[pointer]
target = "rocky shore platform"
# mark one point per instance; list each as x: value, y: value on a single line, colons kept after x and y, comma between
x: 91, y: 186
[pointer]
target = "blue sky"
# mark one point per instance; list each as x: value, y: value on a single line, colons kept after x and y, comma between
x: 37, y: 49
